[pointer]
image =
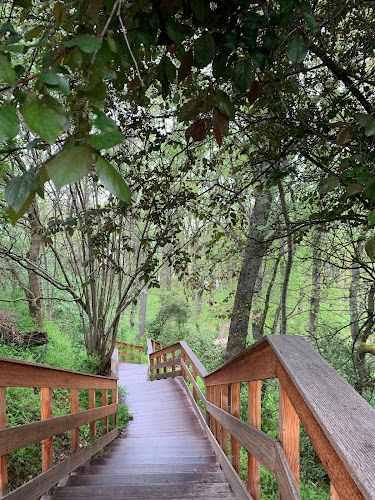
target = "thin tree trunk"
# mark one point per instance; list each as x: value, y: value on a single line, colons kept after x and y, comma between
x: 132, y: 315
x: 315, y: 278
x: 142, y: 311
x: 289, y: 260
x: 262, y: 321
x: 252, y: 261
x: 34, y: 291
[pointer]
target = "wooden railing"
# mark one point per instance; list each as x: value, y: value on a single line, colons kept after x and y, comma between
x: 338, y: 421
x: 14, y: 373
x: 131, y: 353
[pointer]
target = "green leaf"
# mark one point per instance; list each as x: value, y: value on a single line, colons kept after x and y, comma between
x: 271, y: 41
x: 104, y: 123
x: 370, y: 188
x: 69, y: 166
x: 253, y: 21
x: 201, y: 9
x: 87, y: 43
x: 112, y: 180
x: 367, y: 122
x: 44, y: 117
x: 328, y: 184
x: 204, y: 49
x: 370, y: 248
x: 310, y: 21
x: 170, y: 70
x: 224, y: 104
x: 286, y: 6
x: 7, y: 28
x: 9, y: 122
x: 354, y: 188
x: 17, y: 192
x: 7, y: 73
x: 371, y: 219
x: 55, y: 82
x: 297, y: 49
x: 185, y: 68
x: 106, y: 140
x: 243, y: 75
x: 18, y: 49
x: 174, y: 31
x: 190, y: 110
x: 220, y: 65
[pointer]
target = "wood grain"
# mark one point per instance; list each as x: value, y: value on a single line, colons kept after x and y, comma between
x: 36, y: 487
x: 92, y: 405
x: 254, y: 418
x: 235, y: 411
x: 160, y: 376
x: 3, y: 458
x: 224, y: 406
x: 258, y: 362
x: 46, y: 413
x: 170, y: 362
x: 74, y: 408
x: 14, y: 438
x: 105, y: 404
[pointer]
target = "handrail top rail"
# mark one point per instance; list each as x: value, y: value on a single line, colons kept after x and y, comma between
x: 165, y: 350
x: 194, y: 360
x: 126, y: 344
x: 19, y: 373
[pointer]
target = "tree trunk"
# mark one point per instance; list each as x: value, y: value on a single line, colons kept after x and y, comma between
x: 142, y: 311
x: 315, y: 278
x: 289, y: 260
x: 252, y: 261
x: 132, y: 314
x: 34, y: 289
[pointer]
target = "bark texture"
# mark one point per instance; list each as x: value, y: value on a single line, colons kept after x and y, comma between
x: 252, y: 261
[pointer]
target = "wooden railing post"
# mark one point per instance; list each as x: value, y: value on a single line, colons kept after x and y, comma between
x: 92, y: 405
x: 183, y: 356
x: 235, y: 411
x: 253, y: 466
x: 46, y: 412
x: 3, y: 459
x: 334, y: 495
x: 114, y: 401
x: 224, y: 406
x: 173, y: 357
x: 195, y: 378
x: 105, y: 403
x: 216, y: 402
x: 164, y: 358
x: 74, y: 408
x: 289, y: 433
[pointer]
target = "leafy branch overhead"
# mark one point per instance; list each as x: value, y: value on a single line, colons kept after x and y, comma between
x: 61, y: 77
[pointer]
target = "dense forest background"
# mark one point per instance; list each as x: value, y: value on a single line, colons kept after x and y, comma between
x: 189, y: 170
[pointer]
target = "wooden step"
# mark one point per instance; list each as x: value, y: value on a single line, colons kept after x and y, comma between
x: 145, y: 479
x: 148, y: 468
x: 214, y: 490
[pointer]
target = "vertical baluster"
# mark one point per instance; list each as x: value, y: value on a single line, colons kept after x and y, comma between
x: 183, y: 354
x: 195, y: 378
x: 157, y: 362
x: 224, y: 406
x: 74, y: 408
x: 253, y: 466
x: 114, y: 401
x: 46, y: 412
x: 105, y: 403
x: 173, y: 357
x: 164, y: 357
x: 3, y: 459
x: 334, y: 494
x: 208, y: 415
x: 235, y: 410
x: 92, y: 405
x: 289, y: 433
x: 217, y: 403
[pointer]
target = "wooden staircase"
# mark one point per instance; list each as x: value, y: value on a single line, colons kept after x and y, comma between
x: 165, y: 453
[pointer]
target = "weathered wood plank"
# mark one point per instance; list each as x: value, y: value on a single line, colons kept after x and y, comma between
x: 74, y: 408
x: 242, y: 368
x: 3, y: 458
x: 105, y: 404
x: 195, y: 385
x: 170, y: 362
x: 92, y: 405
x: 286, y: 482
x: 166, y: 350
x: 36, y: 487
x: 224, y: 406
x: 46, y: 413
x: 160, y: 376
x: 235, y: 411
x: 336, y: 419
x: 14, y: 438
x: 15, y: 373
x: 254, y: 417
x: 256, y: 442
x: 289, y: 434
x: 231, y: 475
x: 201, y: 370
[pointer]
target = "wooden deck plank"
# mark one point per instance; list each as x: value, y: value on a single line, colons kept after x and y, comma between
x: 165, y: 453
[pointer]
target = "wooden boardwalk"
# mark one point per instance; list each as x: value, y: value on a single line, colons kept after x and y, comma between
x: 165, y: 454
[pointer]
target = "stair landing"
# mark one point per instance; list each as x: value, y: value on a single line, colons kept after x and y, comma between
x: 164, y: 455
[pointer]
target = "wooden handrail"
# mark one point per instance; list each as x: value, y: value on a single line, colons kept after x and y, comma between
x: 338, y: 421
x: 14, y: 373
x: 135, y: 354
